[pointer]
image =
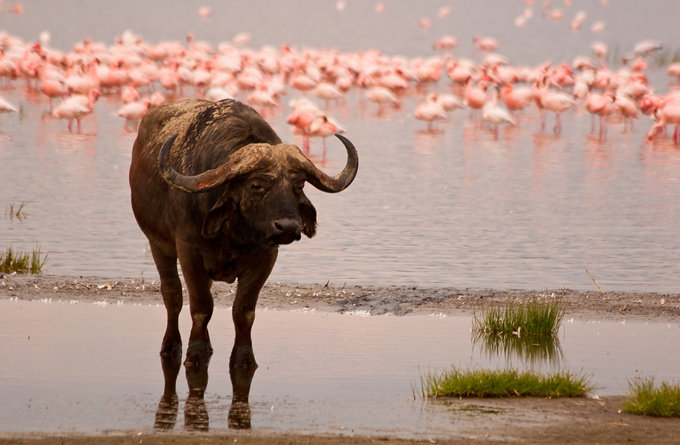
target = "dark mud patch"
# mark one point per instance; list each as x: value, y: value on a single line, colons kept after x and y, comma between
x: 376, y: 300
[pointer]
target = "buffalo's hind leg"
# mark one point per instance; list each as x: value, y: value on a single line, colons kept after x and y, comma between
x: 200, y: 304
x: 171, y: 289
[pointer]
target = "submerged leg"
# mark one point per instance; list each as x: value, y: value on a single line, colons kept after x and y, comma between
x: 171, y: 289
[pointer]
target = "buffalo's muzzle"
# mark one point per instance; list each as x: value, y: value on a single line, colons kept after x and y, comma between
x: 285, y: 231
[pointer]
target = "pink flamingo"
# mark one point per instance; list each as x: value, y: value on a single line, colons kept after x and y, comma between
x: 29, y: 65
x: 430, y: 111
x: 76, y: 107
x: 445, y: 43
x: 395, y: 81
x: 485, y: 43
x: 301, y: 118
x: 674, y: 70
x: 52, y: 84
x: 475, y: 95
x: 217, y: 93
x: 169, y: 77
x: 262, y: 98
x: 516, y: 99
x: 555, y: 101
x: 323, y: 127
x: 669, y: 113
x: 129, y: 94
x: 601, y: 105
x: 301, y: 81
x: 249, y: 78
x: 112, y: 77
x: 132, y: 112
x: 71, y: 111
x: 82, y: 79
x: 450, y: 102
x: 328, y: 92
x: 381, y: 96
x: 495, y: 114
x: 627, y: 108
x: 204, y: 12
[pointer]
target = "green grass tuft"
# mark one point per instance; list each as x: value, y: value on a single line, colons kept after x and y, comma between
x: 649, y: 399
x: 503, y: 383
x: 21, y: 262
x: 535, y: 318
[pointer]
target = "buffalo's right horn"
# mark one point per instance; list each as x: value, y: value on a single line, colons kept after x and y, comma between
x: 339, y: 182
x: 190, y: 184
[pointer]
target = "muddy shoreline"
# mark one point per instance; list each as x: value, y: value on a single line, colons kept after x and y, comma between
x: 376, y: 300
x: 578, y: 420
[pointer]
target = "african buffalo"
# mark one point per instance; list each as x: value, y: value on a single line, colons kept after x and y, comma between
x: 238, y: 197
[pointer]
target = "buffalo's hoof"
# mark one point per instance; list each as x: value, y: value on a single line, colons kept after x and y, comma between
x: 198, y: 354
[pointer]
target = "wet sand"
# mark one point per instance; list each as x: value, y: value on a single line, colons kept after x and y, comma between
x: 577, y: 420
x: 565, y: 421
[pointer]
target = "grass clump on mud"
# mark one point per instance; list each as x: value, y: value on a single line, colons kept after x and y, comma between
x: 535, y: 318
x: 22, y: 262
x: 649, y: 399
x: 503, y: 383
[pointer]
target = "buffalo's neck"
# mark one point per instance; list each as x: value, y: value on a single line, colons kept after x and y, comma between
x: 227, y: 263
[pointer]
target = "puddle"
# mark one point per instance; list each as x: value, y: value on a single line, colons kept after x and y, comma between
x: 92, y: 368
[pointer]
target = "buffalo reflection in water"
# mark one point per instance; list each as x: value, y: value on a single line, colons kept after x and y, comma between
x: 195, y: 412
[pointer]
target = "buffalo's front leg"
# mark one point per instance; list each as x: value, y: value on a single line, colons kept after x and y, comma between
x: 171, y: 289
x: 200, y: 305
x: 243, y: 312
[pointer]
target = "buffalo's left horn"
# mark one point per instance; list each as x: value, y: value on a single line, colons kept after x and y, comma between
x: 339, y: 182
x: 190, y: 184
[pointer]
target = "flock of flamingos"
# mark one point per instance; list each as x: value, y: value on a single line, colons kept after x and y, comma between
x: 141, y: 74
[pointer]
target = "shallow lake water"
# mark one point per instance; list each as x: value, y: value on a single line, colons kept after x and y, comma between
x: 90, y: 368
x: 456, y: 208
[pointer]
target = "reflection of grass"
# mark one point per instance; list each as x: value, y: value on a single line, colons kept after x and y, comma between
x: 648, y: 399
x: 533, y: 349
x: 529, y: 330
x: 21, y: 262
x: 503, y: 383
x: 531, y: 319
x: 17, y: 212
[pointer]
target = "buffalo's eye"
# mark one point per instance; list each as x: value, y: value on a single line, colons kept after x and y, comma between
x: 256, y: 187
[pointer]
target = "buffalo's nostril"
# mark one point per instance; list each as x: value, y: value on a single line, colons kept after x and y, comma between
x: 287, y: 225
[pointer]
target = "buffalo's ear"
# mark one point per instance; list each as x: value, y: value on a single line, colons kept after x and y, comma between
x: 307, y: 215
x: 217, y: 217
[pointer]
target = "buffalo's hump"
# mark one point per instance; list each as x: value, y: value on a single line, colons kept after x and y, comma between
x: 207, y: 132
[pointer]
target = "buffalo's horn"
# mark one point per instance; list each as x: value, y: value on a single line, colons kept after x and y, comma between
x: 190, y: 184
x: 340, y: 181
